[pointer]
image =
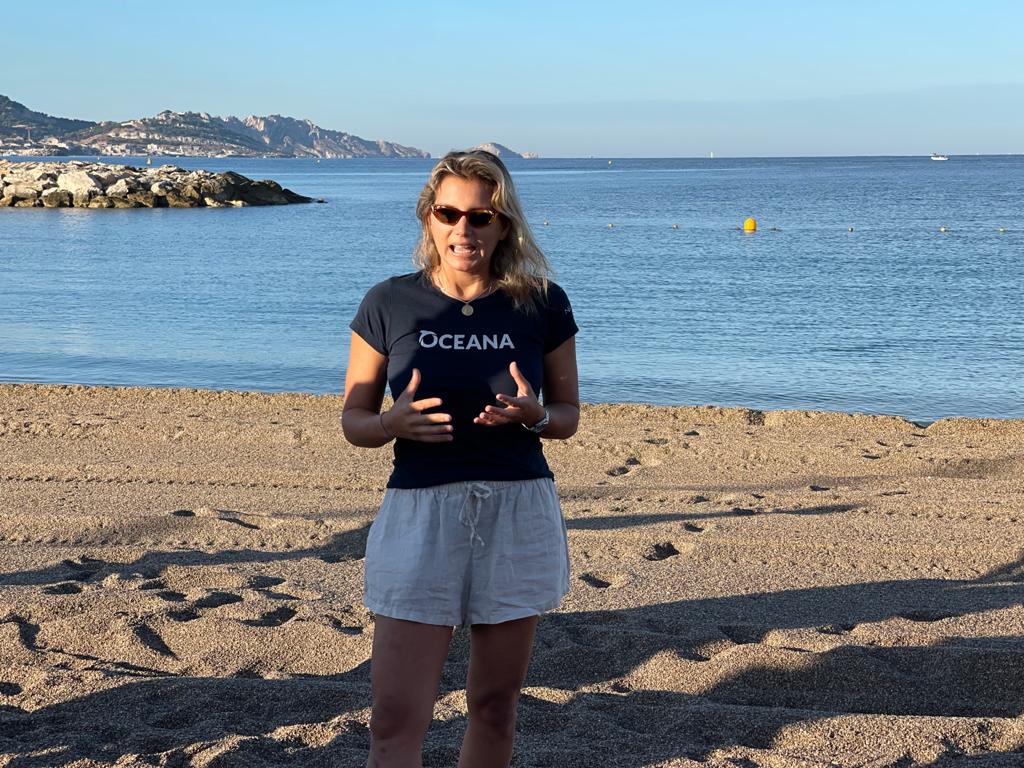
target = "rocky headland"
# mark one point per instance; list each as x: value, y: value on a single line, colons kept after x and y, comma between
x: 100, y: 185
x: 183, y: 134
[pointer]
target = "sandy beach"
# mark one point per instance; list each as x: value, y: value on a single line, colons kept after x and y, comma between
x: 181, y: 575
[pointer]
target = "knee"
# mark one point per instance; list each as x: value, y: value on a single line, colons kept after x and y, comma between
x: 496, y: 710
x: 392, y: 718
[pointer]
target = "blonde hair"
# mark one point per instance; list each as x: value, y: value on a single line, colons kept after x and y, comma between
x: 518, y: 264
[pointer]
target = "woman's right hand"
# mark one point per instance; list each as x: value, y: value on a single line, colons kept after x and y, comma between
x: 407, y: 420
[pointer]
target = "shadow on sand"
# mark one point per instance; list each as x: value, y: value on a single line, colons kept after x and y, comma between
x: 756, y: 686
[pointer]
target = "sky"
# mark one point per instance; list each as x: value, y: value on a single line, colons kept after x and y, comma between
x: 563, y: 79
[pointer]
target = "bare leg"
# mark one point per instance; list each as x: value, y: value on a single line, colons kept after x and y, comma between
x: 498, y: 657
x: 405, y: 670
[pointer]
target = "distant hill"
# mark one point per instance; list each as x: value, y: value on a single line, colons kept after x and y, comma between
x: 18, y: 121
x: 185, y: 134
x: 502, y: 151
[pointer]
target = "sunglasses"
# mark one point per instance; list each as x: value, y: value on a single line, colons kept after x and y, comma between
x: 477, y: 218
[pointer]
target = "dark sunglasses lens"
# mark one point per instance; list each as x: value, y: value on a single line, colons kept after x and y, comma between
x: 446, y: 215
x: 480, y: 218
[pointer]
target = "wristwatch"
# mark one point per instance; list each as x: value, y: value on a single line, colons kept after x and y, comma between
x: 541, y: 425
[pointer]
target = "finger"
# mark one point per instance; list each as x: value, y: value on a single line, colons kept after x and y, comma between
x: 513, y: 402
x: 497, y: 415
x: 437, y: 418
x: 434, y: 438
x: 520, y: 380
x: 422, y: 405
x: 413, y: 385
x: 432, y: 429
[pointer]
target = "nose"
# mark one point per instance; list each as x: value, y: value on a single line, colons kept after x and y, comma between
x: 462, y: 225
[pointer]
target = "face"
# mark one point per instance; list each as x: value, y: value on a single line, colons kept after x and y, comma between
x: 462, y: 247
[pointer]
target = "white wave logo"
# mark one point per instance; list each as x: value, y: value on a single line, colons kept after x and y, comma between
x: 430, y: 339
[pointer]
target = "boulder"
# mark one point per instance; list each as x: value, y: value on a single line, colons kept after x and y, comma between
x: 22, y: 191
x: 122, y: 202
x: 77, y: 182
x: 174, y: 200
x: 120, y: 188
x: 218, y: 188
x: 144, y: 198
x: 41, y: 174
x: 101, y: 201
x: 27, y: 203
x: 81, y: 199
x: 161, y: 188
x: 56, y: 198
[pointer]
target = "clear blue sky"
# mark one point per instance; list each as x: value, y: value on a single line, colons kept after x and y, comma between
x: 626, y: 78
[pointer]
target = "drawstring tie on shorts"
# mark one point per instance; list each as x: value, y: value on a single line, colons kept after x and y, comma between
x: 469, y: 513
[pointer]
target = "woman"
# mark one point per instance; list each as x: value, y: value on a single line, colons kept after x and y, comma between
x: 470, y: 532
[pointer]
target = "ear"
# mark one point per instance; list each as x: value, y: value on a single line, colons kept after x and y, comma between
x: 506, y: 226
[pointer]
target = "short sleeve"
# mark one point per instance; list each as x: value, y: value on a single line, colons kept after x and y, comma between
x: 560, y: 325
x: 371, y: 320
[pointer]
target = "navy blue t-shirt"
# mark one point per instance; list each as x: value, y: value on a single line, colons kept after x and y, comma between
x: 464, y: 361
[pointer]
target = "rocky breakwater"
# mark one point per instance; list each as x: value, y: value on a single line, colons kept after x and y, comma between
x: 99, y: 185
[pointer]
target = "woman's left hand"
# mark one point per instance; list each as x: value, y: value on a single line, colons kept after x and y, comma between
x: 524, y: 408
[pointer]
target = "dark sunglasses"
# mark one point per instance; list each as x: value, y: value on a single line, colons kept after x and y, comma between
x: 477, y: 218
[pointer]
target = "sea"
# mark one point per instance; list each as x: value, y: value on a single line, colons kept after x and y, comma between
x: 881, y: 285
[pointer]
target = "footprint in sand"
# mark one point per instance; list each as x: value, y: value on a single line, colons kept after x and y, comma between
x: 217, y: 599
x: 661, y: 551
x: 171, y: 596
x: 345, y: 629
x: 273, y: 618
x: 692, y: 527
x: 152, y: 640
x: 66, y: 588
x: 603, y: 579
x: 626, y: 467
x: 925, y: 615
x: 744, y: 634
x: 212, y: 600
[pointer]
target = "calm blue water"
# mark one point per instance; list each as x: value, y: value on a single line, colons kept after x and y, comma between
x: 894, y: 317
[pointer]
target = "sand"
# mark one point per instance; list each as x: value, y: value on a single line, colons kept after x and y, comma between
x: 181, y: 575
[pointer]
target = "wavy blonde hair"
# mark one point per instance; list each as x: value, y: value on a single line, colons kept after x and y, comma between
x: 518, y: 264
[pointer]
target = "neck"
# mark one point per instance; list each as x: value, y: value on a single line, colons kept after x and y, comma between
x: 465, y: 286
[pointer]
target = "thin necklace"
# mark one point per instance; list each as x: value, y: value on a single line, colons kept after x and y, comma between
x: 467, y: 307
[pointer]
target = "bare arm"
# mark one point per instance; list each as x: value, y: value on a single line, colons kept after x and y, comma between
x: 361, y: 420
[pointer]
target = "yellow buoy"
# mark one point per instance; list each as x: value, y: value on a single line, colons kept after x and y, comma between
x: 610, y: 226
x: 849, y: 229
x: 750, y: 225
x: 1002, y: 229
x: 545, y: 222
x: 942, y: 229
x: 675, y: 226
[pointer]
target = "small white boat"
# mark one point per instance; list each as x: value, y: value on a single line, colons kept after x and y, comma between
x: 939, y: 157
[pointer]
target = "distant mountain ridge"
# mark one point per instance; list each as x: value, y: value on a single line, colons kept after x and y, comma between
x: 17, y: 120
x: 184, y: 134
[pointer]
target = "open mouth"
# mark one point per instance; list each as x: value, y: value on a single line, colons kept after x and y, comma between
x: 462, y: 250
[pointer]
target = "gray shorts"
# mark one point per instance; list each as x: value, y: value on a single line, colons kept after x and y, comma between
x: 468, y: 553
